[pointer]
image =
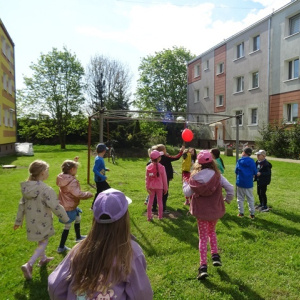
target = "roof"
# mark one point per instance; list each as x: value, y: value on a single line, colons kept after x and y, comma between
x: 6, y: 32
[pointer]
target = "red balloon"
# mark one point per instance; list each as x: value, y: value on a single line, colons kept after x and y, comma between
x: 187, y: 135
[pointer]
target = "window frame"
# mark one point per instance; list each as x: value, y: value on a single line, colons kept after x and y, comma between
x: 291, y: 19
x: 251, y: 116
x: 196, y: 96
x: 255, y: 43
x: 240, y: 50
x: 293, y: 70
x: 288, y: 113
x: 237, y: 112
x: 253, y: 80
x: 239, y: 83
x: 196, y: 70
x: 206, y: 92
x: 218, y: 102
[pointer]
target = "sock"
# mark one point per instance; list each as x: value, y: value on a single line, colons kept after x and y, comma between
x: 63, y: 239
x: 77, y: 230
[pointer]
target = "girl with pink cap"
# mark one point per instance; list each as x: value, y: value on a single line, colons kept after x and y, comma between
x: 207, y: 205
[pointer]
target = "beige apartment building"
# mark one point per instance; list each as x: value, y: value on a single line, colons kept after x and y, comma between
x: 254, y: 73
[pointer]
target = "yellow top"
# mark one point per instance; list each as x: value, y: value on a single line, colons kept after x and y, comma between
x: 187, y: 163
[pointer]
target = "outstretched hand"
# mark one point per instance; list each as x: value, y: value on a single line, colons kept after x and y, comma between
x: 76, y: 158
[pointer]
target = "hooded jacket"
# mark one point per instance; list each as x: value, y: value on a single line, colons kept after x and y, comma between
x: 156, y: 182
x: 36, y: 205
x: 245, y: 170
x: 264, y: 167
x: 207, y: 201
x: 166, y: 161
x: 69, y: 191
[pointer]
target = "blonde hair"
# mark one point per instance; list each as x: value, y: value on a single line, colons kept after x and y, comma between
x: 36, y: 168
x: 198, y: 167
x: 160, y: 147
x: 68, y: 165
x: 103, y: 258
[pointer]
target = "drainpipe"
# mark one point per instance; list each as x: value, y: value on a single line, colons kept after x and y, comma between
x: 268, y: 69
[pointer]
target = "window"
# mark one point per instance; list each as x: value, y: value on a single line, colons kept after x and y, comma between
x: 10, y: 86
x: 293, y: 69
x: 240, y: 84
x: 240, y: 50
x: 11, y: 120
x: 196, y: 96
x: 206, y: 92
x: 239, y: 112
x: 220, y: 68
x: 206, y: 65
x: 4, y: 46
x: 255, y: 81
x: 5, y: 83
x: 6, y: 118
x: 197, y: 70
x: 295, y: 24
x: 291, y: 112
x: 253, y: 116
x: 219, y: 101
x: 256, y: 43
x: 0, y: 116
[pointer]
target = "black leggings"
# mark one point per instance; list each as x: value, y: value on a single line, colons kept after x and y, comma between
x: 261, y: 192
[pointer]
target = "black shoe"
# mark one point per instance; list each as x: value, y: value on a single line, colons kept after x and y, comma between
x: 154, y: 210
x: 216, y: 260
x: 166, y: 211
x: 202, y: 272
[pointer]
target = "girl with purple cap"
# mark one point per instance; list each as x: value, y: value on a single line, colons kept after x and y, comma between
x: 107, y: 264
x: 207, y: 205
x: 156, y: 183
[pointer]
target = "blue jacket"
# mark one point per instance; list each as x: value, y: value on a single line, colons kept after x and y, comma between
x: 99, y: 169
x: 245, y: 170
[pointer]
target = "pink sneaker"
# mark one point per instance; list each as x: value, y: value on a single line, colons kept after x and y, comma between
x: 45, y: 261
x: 27, y: 271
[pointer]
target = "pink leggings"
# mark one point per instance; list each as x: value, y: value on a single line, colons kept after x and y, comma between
x: 159, y: 196
x: 207, y: 231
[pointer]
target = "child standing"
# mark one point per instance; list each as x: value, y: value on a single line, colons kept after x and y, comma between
x: 215, y: 153
x: 156, y: 183
x: 186, y: 169
x: 36, y: 205
x: 99, y: 170
x: 107, y: 264
x: 263, y: 179
x: 69, y: 196
x: 207, y: 205
x: 166, y: 161
x: 245, y: 170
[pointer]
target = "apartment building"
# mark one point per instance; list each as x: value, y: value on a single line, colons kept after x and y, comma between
x: 8, y: 131
x: 254, y: 73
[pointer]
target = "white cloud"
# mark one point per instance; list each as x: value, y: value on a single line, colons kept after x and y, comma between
x: 152, y: 28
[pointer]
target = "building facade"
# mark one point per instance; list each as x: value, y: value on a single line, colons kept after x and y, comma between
x: 8, y: 129
x: 254, y: 73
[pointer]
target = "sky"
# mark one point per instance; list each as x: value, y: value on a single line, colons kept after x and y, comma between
x: 124, y: 30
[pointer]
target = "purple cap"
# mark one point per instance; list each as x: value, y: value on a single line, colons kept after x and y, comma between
x: 204, y: 157
x: 110, y: 202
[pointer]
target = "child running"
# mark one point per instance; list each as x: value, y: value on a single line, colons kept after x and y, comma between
x: 36, y: 205
x: 69, y: 196
x: 107, y: 264
x: 156, y: 183
x: 207, y: 205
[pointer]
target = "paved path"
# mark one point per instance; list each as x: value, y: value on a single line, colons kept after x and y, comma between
x: 296, y: 161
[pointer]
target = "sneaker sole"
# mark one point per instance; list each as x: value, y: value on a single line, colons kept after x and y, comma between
x: 27, y: 275
x: 217, y: 264
x: 202, y: 276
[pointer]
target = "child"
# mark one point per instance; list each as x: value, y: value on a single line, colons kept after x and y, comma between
x: 215, y: 153
x: 99, y: 170
x: 166, y: 161
x: 107, y: 264
x: 156, y: 183
x: 245, y: 170
x: 263, y: 179
x: 193, y: 155
x: 186, y: 169
x: 36, y: 205
x: 207, y: 205
x: 69, y: 197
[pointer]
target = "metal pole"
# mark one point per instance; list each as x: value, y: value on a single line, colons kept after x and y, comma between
x: 89, y: 151
x: 237, y: 142
x: 101, y: 126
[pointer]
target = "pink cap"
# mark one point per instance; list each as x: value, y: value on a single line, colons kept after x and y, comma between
x: 204, y: 157
x: 155, y: 154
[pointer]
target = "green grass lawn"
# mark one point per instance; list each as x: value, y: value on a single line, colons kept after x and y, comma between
x: 260, y: 257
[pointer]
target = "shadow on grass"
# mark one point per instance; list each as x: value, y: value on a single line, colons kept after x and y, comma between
x: 34, y: 289
x: 287, y: 215
x: 146, y: 243
x: 242, y: 292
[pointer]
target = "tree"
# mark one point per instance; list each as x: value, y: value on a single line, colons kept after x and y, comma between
x: 108, y: 84
x: 162, y: 85
x: 55, y: 89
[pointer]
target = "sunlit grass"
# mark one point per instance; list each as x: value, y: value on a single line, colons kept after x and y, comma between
x: 260, y: 257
